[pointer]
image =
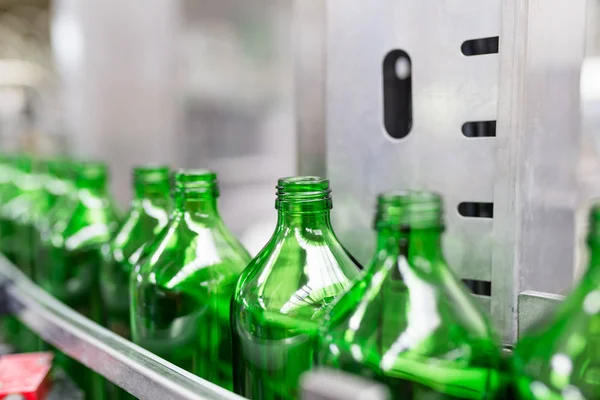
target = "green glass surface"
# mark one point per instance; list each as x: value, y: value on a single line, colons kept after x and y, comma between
x: 61, y: 189
x: 181, y: 292
x: 23, y: 211
x: 560, y: 357
x: 72, y: 259
x: 283, y: 295
x: 19, y: 183
x: 147, y: 217
x: 409, y: 322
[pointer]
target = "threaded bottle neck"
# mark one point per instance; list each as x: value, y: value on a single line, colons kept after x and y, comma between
x: 92, y: 176
x: 303, y: 194
x: 196, y: 191
x: 408, y: 210
x: 151, y: 181
x: 409, y: 223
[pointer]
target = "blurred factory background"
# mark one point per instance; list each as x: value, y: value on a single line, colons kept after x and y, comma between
x: 189, y: 83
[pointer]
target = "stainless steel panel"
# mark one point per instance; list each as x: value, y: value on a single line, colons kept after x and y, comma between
x: 309, y: 31
x: 449, y: 89
x: 136, y: 370
x: 532, y: 306
x: 538, y: 139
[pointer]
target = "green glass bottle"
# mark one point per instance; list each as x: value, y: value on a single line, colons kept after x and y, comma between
x: 71, y: 271
x: 283, y: 295
x: 7, y: 173
x: 409, y: 322
x: 20, y: 182
x: 61, y: 189
x: 181, y: 293
x: 25, y: 210
x: 560, y: 357
x: 147, y: 217
x: 57, y: 179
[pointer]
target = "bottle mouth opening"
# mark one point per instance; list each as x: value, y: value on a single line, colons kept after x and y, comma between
x: 148, y: 175
x: 92, y: 173
x: 23, y: 163
x: 306, y: 192
x: 196, y: 180
x: 409, y: 209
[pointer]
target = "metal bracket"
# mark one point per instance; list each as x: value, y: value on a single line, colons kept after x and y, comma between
x: 532, y: 306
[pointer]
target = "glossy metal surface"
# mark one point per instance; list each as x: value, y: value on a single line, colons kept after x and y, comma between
x: 528, y: 170
x: 534, y: 305
x: 449, y: 89
x: 123, y: 363
x: 538, y: 139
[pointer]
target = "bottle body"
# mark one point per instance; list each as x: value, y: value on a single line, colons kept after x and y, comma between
x: 20, y: 182
x: 281, y: 298
x: 410, y: 324
x: 181, y: 291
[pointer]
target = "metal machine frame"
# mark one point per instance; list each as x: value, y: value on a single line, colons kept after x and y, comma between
x: 528, y: 170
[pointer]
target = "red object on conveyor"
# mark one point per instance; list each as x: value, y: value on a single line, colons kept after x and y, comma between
x: 26, y: 374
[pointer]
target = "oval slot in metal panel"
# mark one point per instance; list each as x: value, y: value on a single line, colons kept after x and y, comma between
x: 397, y: 94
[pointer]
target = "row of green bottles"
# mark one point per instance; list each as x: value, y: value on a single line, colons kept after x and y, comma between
x: 408, y: 322
x: 176, y: 281
x: 70, y: 254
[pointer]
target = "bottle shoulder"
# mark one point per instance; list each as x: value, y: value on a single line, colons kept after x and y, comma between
x: 400, y: 312
x: 137, y: 228
x: 297, y: 274
x: 187, y: 256
x: 88, y: 225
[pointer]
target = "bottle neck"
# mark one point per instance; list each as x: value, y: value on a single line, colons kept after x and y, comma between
x: 98, y: 189
x: 594, y: 262
x: 420, y: 243
x: 306, y: 220
x: 197, y: 203
x: 151, y: 193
